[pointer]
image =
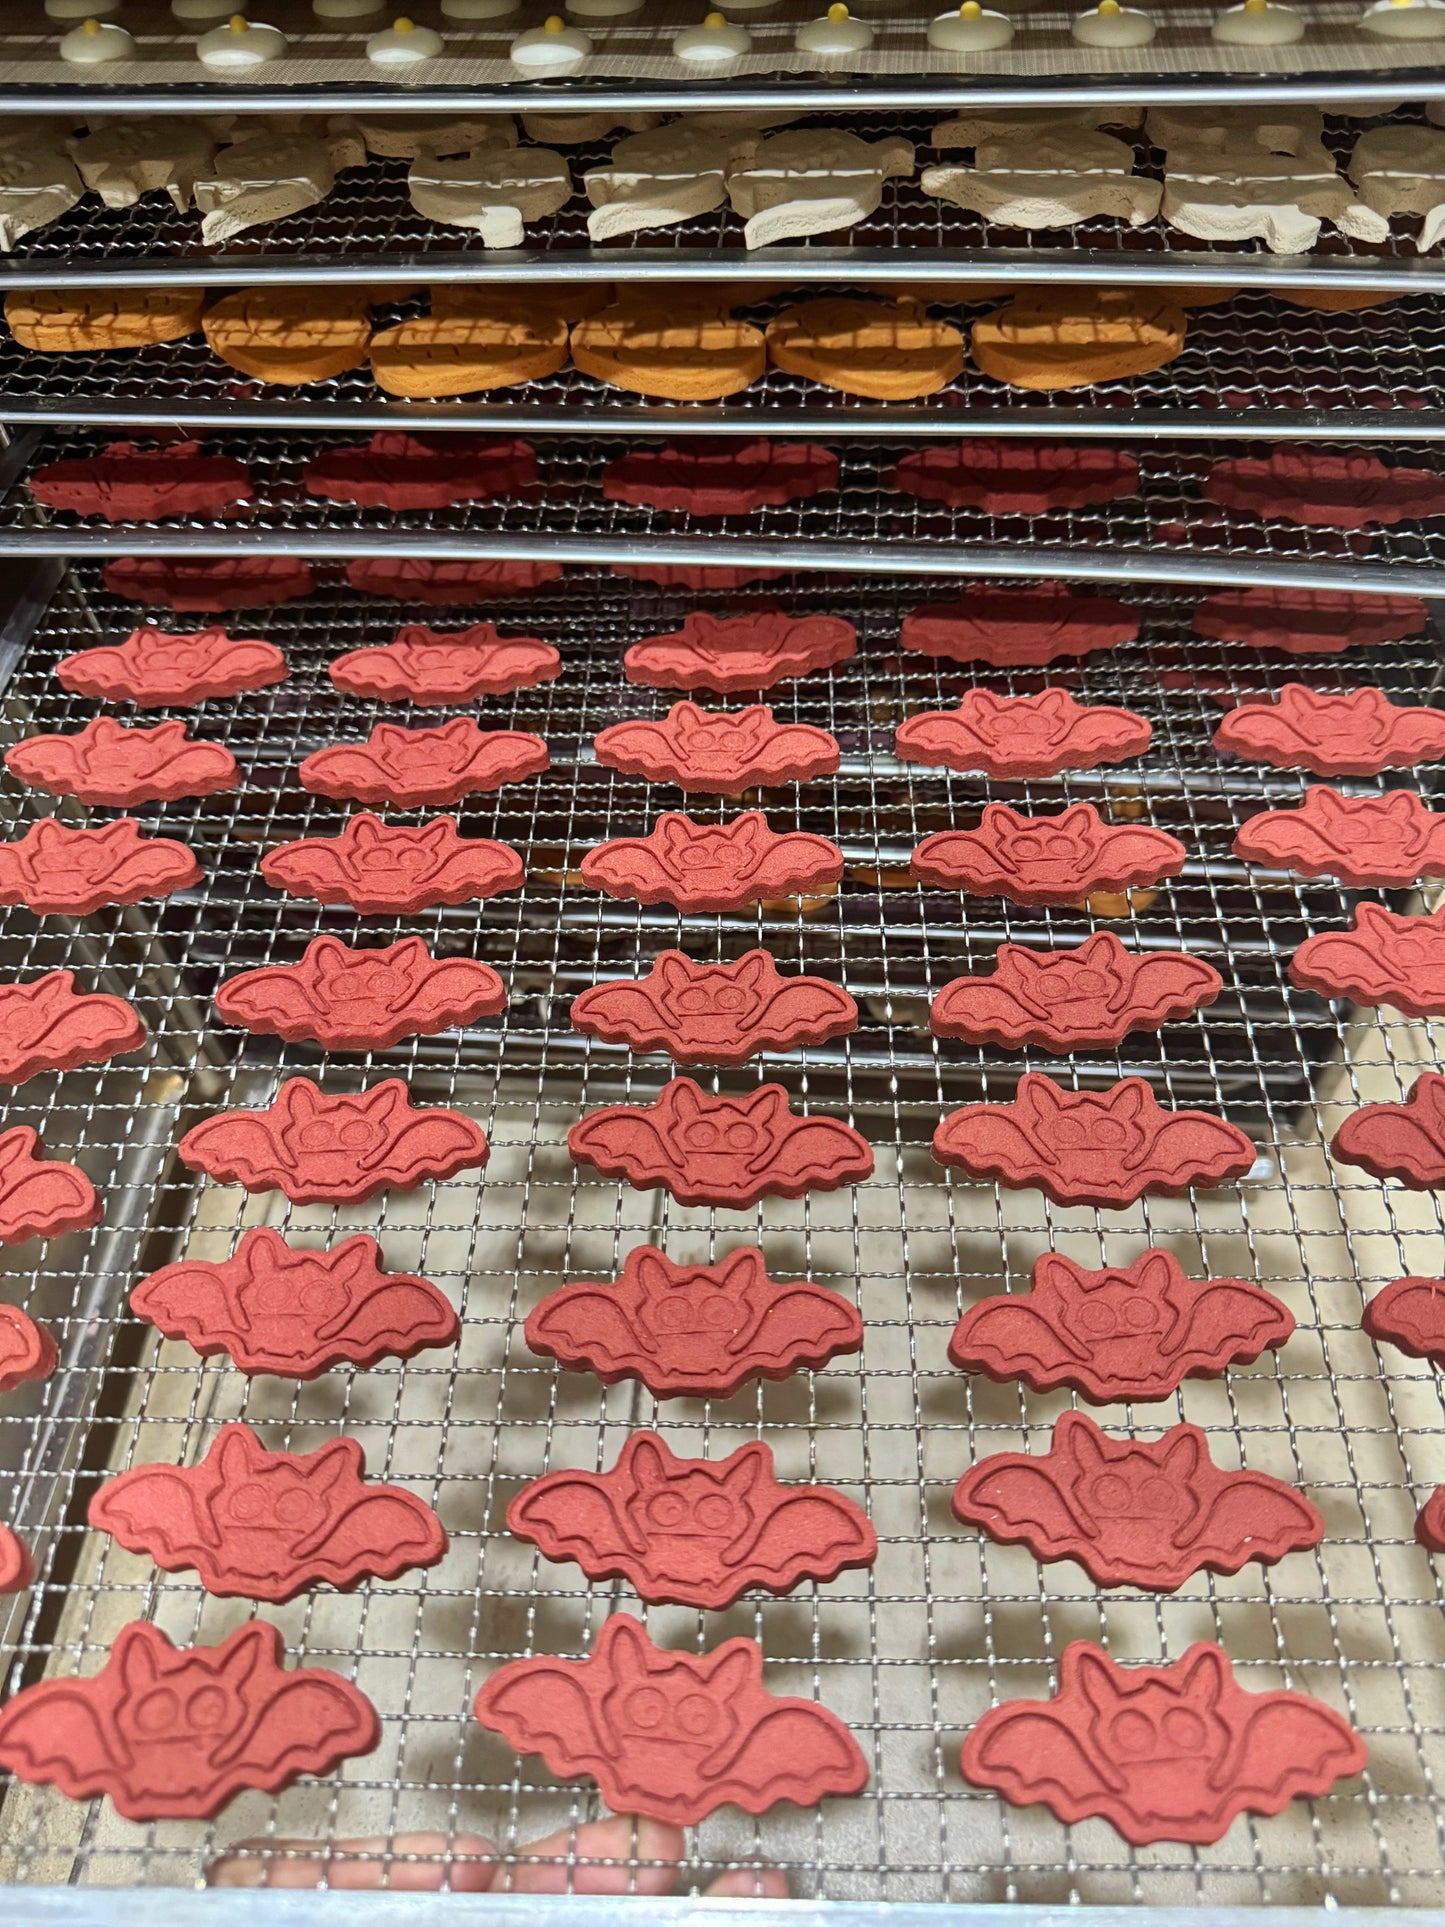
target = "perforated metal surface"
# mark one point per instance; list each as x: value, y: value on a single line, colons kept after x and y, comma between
x: 913, y: 1652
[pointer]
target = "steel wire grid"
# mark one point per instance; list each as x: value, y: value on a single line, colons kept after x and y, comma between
x: 1168, y: 512
x: 1255, y: 366
x: 366, y: 228
x: 913, y: 1652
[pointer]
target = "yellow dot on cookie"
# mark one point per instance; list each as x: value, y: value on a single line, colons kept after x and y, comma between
x: 1256, y: 6
x: 90, y: 28
x: 837, y: 11
x: 1108, y: 8
x: 554, y: 23
x: 402, y: 25
x: 715, y: 20
x: 238, y: 23
x: 970, y: 10
x: 1399, y: 3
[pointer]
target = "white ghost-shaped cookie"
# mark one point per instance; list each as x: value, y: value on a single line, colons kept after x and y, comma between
x: 404, y: 137
x: 1233, y: 131
x: 1401, y: 170
x: 580, y: 130
x: 977, y: 124
x: 1048, y: 180
x: 124, y: 159
x: 267, y: 176
x: 492, y: 192
x: 1280, y: 199
x: 36, y: 187
x: 659, y: 178
x: 813, y: 181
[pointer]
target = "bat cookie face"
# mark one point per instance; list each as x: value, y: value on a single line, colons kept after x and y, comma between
x: 173, y: 1733
x: 1044, y: 860
x: 1359, y: 733
x: 353, y: 999
x: 108, y: 764
x: 700, y: 867
x: 1133, y: 1332
x: 1022, y: 735
x: 691, y: 1532
x: 1135, y: 1513
x: 160, y: 671
x: 295, y: 1314
x: 694, y: 1331
x: 716, y: 753
x: 1384, y: 959
x: 672, y: 1736
x: 438, y: 666
x: 413, y: 767
x: 1384, y: 841
x: 381, y: 867
x: 723, y: 1151
x: 1018, y: 628
x: 729, y: 654
x: 269, y: 1525
x: 714, y: 1013
x: 1160, y: 1752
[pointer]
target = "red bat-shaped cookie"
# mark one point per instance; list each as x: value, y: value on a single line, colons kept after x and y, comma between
x: 27, y: 1351
x: 1308, y: 622
x: 1016, y: 477
x: 1320, y: 490
x: 1047, y: 859
x: 347, y: 999
x: 394, y: 470
x: 119, y: 768
x: 693, y: 1532
x: 1358, y: 733
x: 726, y: 476
x: 445, y: 585
x: 1146, y: 1513
x: 1125, y: 1332
x: 1404, y: 1141
x: 386, y: 868
x: 17, y: 1568
x: 700, y: 867
x: 1021, y: 735
x: 1411, y: 1314
x: 714, y: 1013
x: 49, y: 1025
x: 672, y: 1736
x: 717, y: 752
x: 269, y: 1525
x: 209, y: 584
x: 1384, y: 959
x: 130, y: 483
x: 159, y: 670
x: 725, y: 1151
x: 437, y: 666
x: 1018, y: 628
x: 295, y: 1314
x: 41, y: 1197
x: 416, y: 767
x: 175, y: 1733
x: 729, y: 654
x: 694, y: 1331
x: 1160, y: 1752
x: 55, y: 870
x: 1384, y: 841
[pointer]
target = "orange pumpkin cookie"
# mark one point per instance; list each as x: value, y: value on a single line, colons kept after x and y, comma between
x: 291, y: 335
x: 681, y: 347
x: 87, y: 321
x: 864, y: 348
x: 496, y: 341
x: 1073, y: 337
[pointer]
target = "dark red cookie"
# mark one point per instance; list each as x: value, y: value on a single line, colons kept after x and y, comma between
x: 1022, y: 735
x: 727, y: 654
x: 27, y: 1351
x: 1325, y: 491
x: 714, y: 1013
x: 268, y: 1525
x: 1430, y: 1524
x: 694, y: 1331
x: 131, y: 483
x: 1089, y: 998
x: 671, y: 1735
x: 693, y: 1532
x: 1145, y: 1513
x: 320, y: 1149
x: 712, y: 866
x: 445, y: 585
x: 720, y: 475
x: 1160, y: 1752
x: 1104, y: 1148
x: 1358, y: 733
x: 1047, y: 859
x: 395, y: 470
x: 1411, y: 1314
x: 1018, y: 628
x: 295, y: 1314
x: 1364, y: 841
x: 175, y: 1733
x: 1015, y: 477
x: 1404, y: 1141
x: 49, y: 1025
x: 384, y: 868
x: 17, y: 1568
x: 1308, y: 622
x: 724, y: 1151
x: 162, y: 671
x: 703, y: 578
x: 213, y: 583
x: 41, y: 1197
x: 109, y: 765
x: 413, y: 768
x: 715, y: 753
x: 436, y: 666
x: 1134, y: 1332
x: 346, y: 999
x: 57, y: 871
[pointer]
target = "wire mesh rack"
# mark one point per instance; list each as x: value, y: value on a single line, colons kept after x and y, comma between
x: 1166, y: 522
x: 912, y: 1652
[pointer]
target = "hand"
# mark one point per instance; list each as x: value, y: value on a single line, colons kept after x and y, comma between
x: 602, y: 1857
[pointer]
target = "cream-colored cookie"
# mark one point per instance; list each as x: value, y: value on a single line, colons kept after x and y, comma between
x: 1008, y: 123
x: 404, y: 136
x: 124, y: 159
x: 582, y: 130
x: 36, y: 187
x: 658, y: 179
x: 1048, y: 180
x: 268, y: 176
x: 1280, y: 199
x: 493, y: 192
x: 1228, y: 131
x: 813, y: 181
x: 1400, y: 169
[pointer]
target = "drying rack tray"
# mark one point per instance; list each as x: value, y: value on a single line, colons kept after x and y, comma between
x: 913, y: 1652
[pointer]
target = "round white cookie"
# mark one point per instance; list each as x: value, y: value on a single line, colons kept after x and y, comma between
x: 602, y: 9
x: 203, y: 9
x: 836, y: 32
x: 552, y: 48
x: 94, y: 42
x: 346, y: 9
x: 477, y: 9
x: 403, y: 44
x: 1405, y: 19
x: 1258, y: 23
x: 716, y: 43
x: 970, y: 29
x: 239, y: 44
x: 80, y: 9
x: 1112, y: 25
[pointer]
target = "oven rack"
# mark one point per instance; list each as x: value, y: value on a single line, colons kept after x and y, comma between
x: 912, y: 1653
x: 1252, y: 368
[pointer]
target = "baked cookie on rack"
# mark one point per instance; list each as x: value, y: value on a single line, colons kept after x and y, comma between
x: 1073, y: 337
x: 684, y: 348
x: 885, y: 352
x: 290, y: 336
x: 90, y: 321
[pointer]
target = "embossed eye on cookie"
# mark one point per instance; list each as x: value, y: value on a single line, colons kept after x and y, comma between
x: 970, y: 29
x: 94, y: 43
x: 552, y: 48
x: 1112, y: 25
x: 1258, y: 23
x: 1405, y: 19
x: 403, y: 44
x: 239, y: 45
x: 714, y: 44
